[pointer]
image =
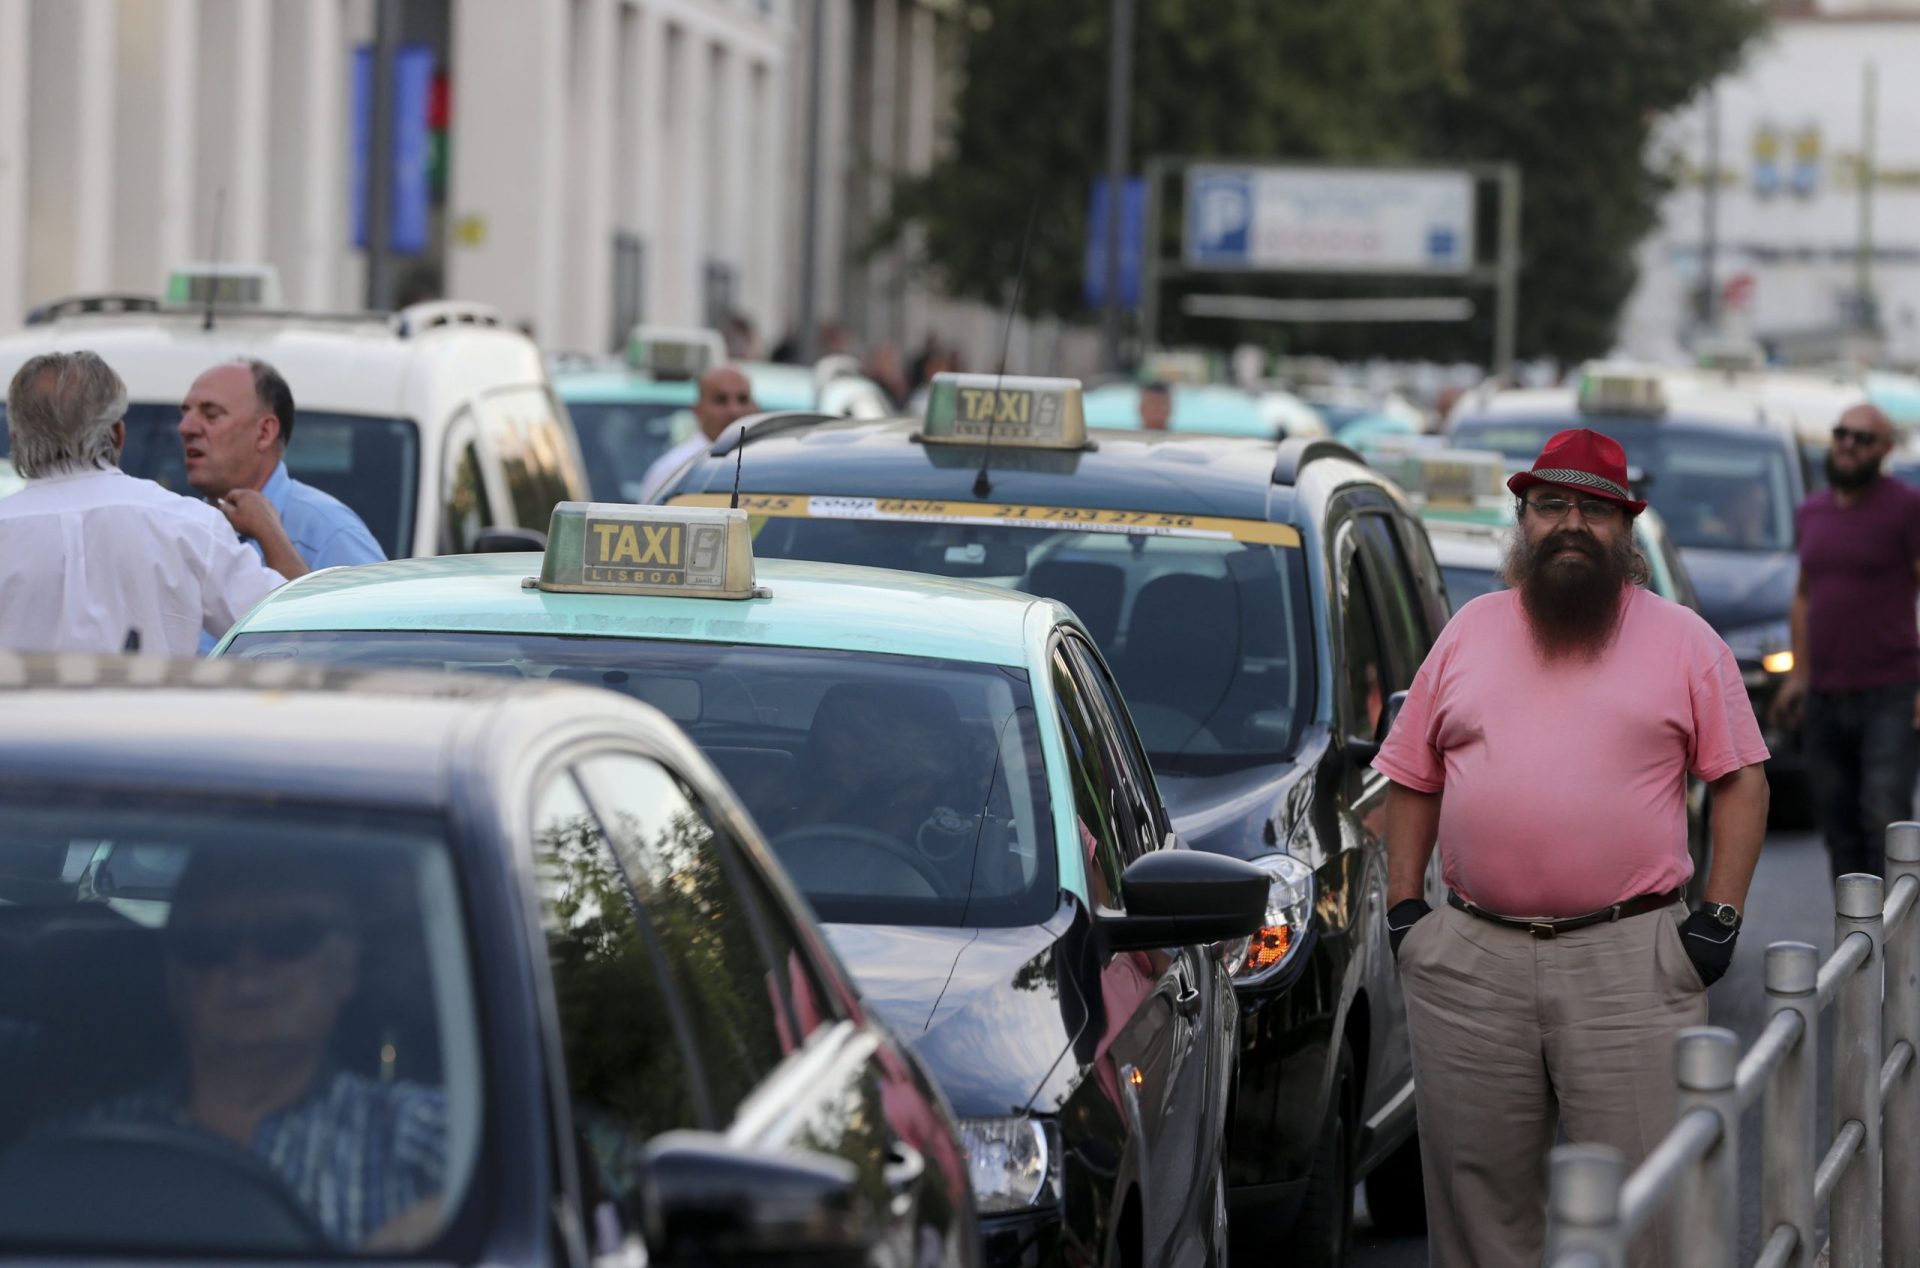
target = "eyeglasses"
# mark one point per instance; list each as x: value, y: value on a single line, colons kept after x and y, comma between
x: 283, y: 942
x: 1594, y: 510
x: 1844, y: 435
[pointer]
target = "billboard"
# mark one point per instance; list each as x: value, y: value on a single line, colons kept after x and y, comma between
x: 1329, y: 220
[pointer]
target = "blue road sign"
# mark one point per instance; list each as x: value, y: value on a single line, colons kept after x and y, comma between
x: 407, y: 210
x: 1220, y: 217
x: 1133, y: 204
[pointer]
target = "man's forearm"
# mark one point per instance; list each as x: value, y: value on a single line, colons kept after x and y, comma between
x: 277, y: 549
x: 1413, y: 824
x: 1739, y: 829
x: 1797, y: 635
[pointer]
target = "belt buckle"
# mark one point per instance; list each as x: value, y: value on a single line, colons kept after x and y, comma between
x: 1542, y: 929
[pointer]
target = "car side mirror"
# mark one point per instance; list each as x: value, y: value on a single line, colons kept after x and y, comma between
x: 705, y: 1200
x: 503, y: 541
x: 1361, y: 752
x: 1179, y: 898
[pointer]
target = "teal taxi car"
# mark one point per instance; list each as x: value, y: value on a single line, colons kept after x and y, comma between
x: 947, y: 773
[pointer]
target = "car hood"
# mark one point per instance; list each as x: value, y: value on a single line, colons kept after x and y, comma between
x: 990, y: 1011
x: 1242, y: 813
x: 1739, y: 588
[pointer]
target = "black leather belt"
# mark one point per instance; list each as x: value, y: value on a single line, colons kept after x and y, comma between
x: 1567, y: 924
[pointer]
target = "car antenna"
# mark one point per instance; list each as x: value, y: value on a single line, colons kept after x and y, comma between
x: 739, y: 457
x: 213, y: 271
x: 981, y: 484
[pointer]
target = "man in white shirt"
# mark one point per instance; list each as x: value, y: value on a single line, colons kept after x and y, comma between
x: 725, y: 398
x: 94, y: 560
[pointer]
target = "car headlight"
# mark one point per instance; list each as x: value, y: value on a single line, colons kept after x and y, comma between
x: 1764, y: 645
x: 1778, y: 662
x: 1010, y: 1161
x: 1284, y: 929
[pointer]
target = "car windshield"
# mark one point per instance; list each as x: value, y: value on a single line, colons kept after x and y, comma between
x: 1717, y: 489
x: 1209, y: 637
x: 895, y: 789
x: 230, y: 1030
x: 1469, y: 583
x: 621, y: 439
x: 367, y: 462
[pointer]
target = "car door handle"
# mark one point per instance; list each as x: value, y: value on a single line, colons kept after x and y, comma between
x: 904, y: 1167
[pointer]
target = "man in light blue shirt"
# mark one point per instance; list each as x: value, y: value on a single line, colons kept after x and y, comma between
x: 235, y: 425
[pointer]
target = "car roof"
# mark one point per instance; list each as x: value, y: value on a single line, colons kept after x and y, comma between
x: 608, y: 384
x: 347, y: 363
x: 1681, y: 419
x: 279, y: 728
x: 828, y: 606
x: 1156, y: 472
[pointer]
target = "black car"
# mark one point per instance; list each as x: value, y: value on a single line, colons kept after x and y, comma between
x: 1727, y: 490
x: 1262, y: 605
x: 299, y: 964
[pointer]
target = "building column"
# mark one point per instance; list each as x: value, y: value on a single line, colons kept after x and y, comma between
x: 245, y: 229
x: 323, y: 130
x: 172, y: 206
x: 590, y: 179
x: 765, y: 284
x: 92, y: 152
x: 643, y: 149
x: 14, y: 69
x: 687, y: 257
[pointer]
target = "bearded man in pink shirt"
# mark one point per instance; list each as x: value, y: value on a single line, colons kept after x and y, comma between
x: 1544, y: 748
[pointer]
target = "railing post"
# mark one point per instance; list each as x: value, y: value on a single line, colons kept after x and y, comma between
x: 1900, y: 1210
x: 1706, y: 1207
x: 1856, y: 1074
x: 1788, y: 1151
x: 1583, y: 1204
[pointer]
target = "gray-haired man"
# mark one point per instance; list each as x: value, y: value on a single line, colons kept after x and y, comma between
x: 94, y: 560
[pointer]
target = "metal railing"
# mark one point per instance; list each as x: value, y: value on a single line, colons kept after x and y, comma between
x: 1872, y: 981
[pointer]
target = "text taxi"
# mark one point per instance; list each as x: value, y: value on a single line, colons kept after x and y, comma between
x: 1261, y: 605
x: 947, y: 773
x: 304, y: 964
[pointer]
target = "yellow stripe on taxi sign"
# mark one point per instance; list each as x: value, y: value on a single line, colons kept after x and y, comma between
x: 1088, y: 519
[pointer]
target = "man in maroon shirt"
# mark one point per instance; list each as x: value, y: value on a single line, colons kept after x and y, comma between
x: 1856, y: 647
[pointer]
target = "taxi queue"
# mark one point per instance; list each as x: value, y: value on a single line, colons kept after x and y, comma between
x: 1061, y: 912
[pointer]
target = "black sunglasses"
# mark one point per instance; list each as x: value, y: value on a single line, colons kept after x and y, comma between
x: 1845, y: 434
x: 285, y: 941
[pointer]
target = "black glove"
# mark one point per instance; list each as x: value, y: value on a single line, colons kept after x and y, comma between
x: 1402, y: 917
x: 1709, y: 945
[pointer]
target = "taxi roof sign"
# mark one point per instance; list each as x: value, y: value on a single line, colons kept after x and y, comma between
x: 675, y: 352
x: 619, y: 548
x: 230, y: 285
x: 1615, y: 389
x: 1011, y: 410
x: 1451, y: 476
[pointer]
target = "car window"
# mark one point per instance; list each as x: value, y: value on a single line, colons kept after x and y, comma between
x: 691, y: 879
x: 1396, y: 599
x: 468, y: 511
x: 264, y: 1012
x: 1470, y: 583
x: 368, y: 462
x: 632, y: 1070
x: 620, y: 440
x: 1236, y: 698
x: 899, y: 790
x: 524, y: 433
x: 1129, y: 763
x: 1363, y: 676
x: 1101, y: 811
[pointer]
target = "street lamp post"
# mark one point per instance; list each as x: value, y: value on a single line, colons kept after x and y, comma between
x: 1119, y: 106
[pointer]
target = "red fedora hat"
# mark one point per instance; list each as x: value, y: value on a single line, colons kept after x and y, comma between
x: 1581, y: 458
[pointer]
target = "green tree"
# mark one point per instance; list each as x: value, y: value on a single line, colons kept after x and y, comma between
x: 1569, y: 89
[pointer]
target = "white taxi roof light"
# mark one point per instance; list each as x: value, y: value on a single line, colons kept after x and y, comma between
x: 1452, y: 476
x: 619, y: 548
x: 1609, y: 390
x: 230, y: 285
x: 675, y: 352
x: 1012, y: 410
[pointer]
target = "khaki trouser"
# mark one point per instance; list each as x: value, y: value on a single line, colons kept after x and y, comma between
x: 1513, y: 1035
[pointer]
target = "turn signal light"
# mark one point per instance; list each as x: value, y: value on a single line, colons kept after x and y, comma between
x: 1269, y: 947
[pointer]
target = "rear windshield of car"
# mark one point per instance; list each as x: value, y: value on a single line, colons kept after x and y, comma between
x: 895, y: 789
x: 1210, y: 638
x: 621, y: 439
x: 370, y: 463
x: 230, y: 1030
x: 1717, y: 489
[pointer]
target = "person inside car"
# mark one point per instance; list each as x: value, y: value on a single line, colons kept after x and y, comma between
x: 262, y: 956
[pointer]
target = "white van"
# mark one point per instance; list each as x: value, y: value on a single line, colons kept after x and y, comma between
x: 436, y: 424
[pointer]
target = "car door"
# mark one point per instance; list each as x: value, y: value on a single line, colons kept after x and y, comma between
x: 687, y: 999
x: 1152, y: 1001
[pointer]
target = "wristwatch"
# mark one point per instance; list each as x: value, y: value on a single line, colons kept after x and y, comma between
x: 1724, y: 914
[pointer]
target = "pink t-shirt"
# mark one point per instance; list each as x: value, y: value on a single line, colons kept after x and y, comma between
x: 1564, y: 784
